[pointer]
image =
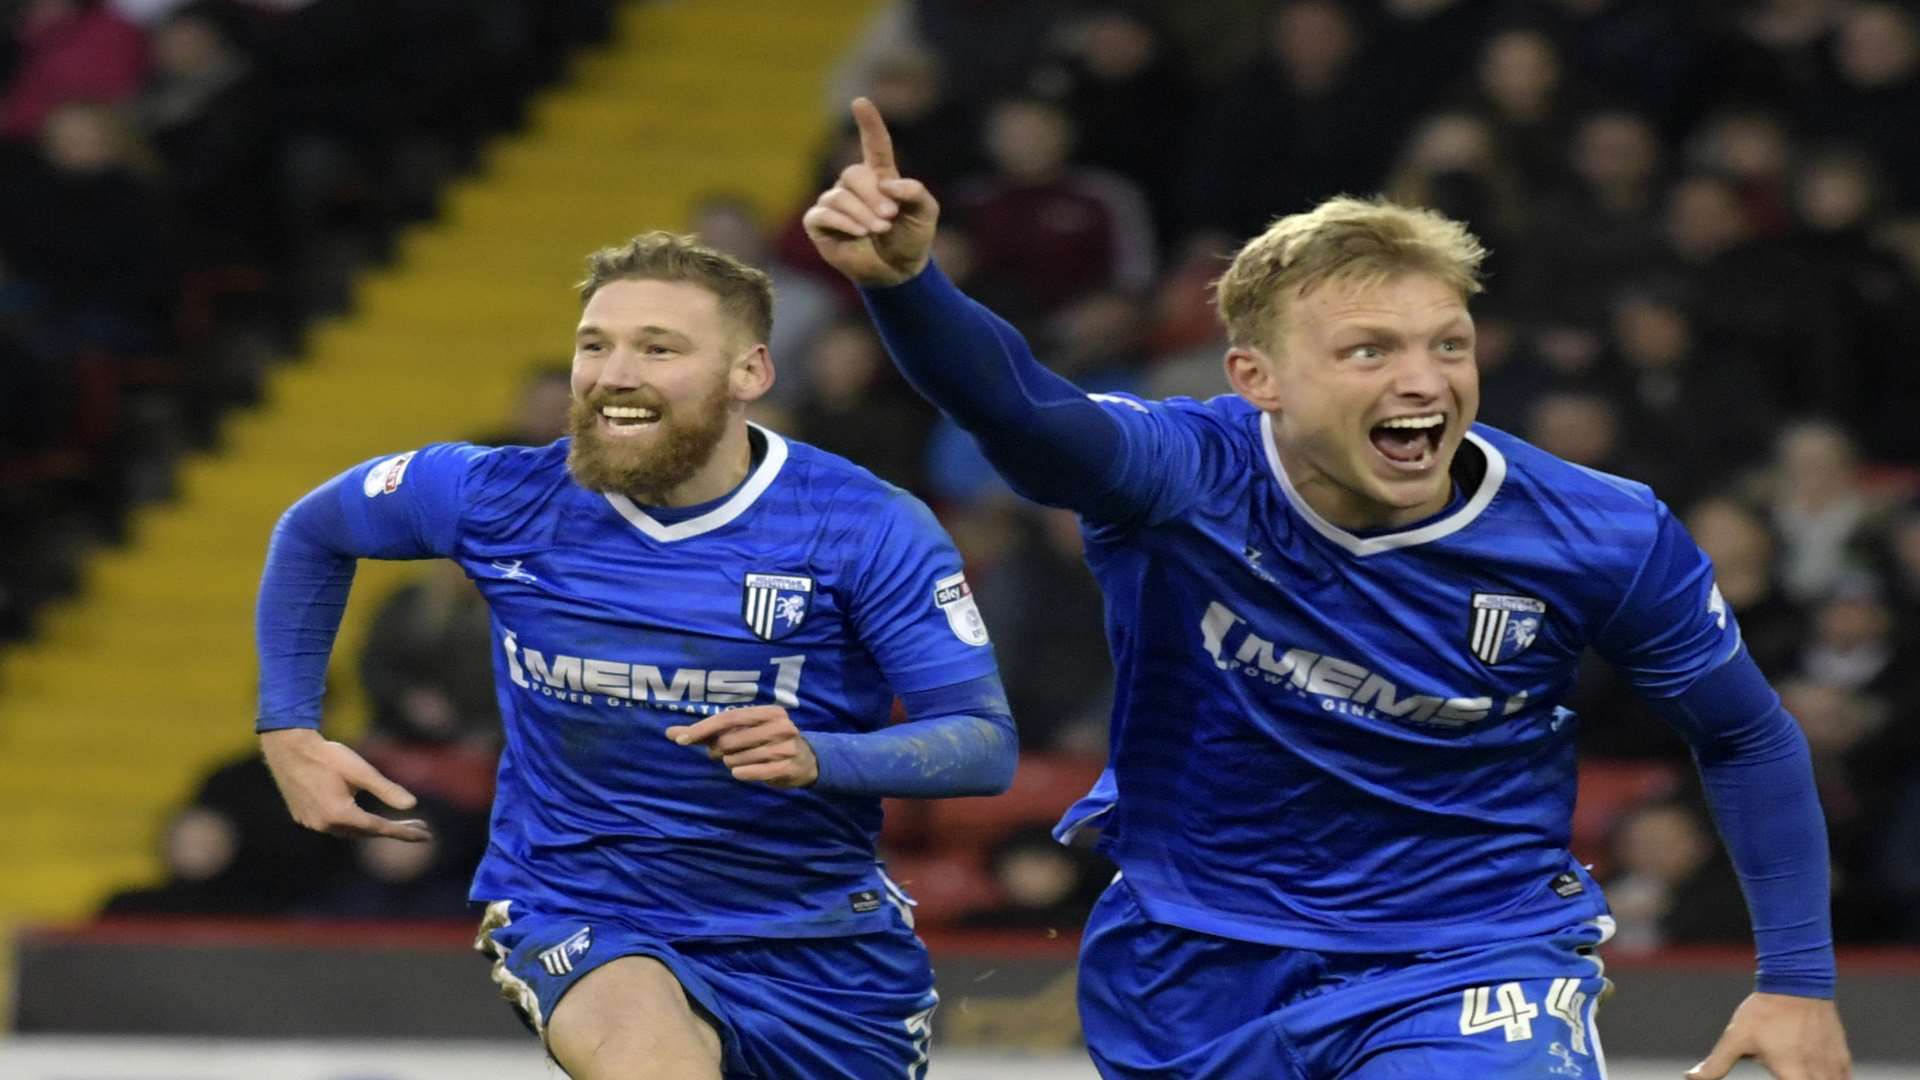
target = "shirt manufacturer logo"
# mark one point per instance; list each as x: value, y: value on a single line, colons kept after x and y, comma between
x: 559, y: 960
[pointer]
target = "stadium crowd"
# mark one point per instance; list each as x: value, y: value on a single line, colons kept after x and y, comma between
x: 1705, y: 225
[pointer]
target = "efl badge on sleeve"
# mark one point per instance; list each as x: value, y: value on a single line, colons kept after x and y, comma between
x: 1504, y: 626
x: 775, y: 605
x: 955, y: 597
x: 384, y: 478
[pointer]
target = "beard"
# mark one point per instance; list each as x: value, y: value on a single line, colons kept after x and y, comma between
x: 669, y: 457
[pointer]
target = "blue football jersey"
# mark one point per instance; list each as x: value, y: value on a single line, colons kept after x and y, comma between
x: 814, y: 586
x: 1353, y: 742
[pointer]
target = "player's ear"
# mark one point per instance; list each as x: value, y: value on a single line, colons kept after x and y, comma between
x: 1250, y: 373
x: 751, y: 375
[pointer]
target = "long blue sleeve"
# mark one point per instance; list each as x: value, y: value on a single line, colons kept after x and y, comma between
x: 1758, y: 776
x: 303, y: 593
x: 1051, y: 442
x: 399, y: 507
x: 957, y: 740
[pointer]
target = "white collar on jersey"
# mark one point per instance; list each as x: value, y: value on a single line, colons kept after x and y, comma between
x: 1373, y: 545
x: 742, y: 498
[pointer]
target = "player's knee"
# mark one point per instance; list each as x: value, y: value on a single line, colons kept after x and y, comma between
x: 631, y: 1019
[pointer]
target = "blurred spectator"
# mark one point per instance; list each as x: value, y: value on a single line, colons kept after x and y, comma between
x: 1876, y: 101
x: 1594, y: 233
x: 1771, y: 50
x: 1309, y: 119
x: 1861, y: 750
x: 801, y: 304
x: 428, y: 671
x: 399, y: 879
x: 1903, y: 563
x: 203, y: 874
x: 1183, y: 314
x: 853, y: 408
x: 1695, y: 418
x: 1852, y: 646
x: 928, y: 126
x: 1837, y: 201
x: 1521, y: 83
x: 1898, y: 868
x: 540, y: 416
x: 1821, y: 512
x: 89, y: 233
x: 1044, y: 885
x: 1452, y: 163
x: 1735, y: 537
x: 68, y: 51
x: 1753, y: 148
x: 1641, y: 51
x: 234, y: 849
x: 1422, y: 41
x: 1511, y: 377
x: 1041, y: 601
x: 1045, y: 230
x: 987, y: 47
x: 35, y: 386
x: 1756, y: 299
x: 1218, y: 39
x: 205, y: 112
x: 1580, y: 426
x: 147, y: 13
x: 1099, y: 341
x: 1672, y: 883
x: 1129, y: 101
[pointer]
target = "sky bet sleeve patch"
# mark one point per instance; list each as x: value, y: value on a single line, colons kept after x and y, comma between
x: 955, y: 597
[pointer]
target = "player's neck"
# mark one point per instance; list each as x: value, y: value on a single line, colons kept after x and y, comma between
x: 1348, y: 509
x: 731, y: 461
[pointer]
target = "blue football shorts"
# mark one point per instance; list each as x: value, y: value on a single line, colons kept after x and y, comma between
x: 1173, y: 1004
x: 845, y: 1008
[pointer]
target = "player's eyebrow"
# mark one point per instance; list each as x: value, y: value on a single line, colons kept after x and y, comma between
x: 1369, y: 331
x: 649, y: 331
x: 1374, y: 331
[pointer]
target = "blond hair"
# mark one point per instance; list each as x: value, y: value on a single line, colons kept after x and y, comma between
x: 1361, y: 241
x: 745, y: 293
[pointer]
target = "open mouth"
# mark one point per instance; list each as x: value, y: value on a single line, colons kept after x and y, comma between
x: 1410, y: 443
x: 627, y: 419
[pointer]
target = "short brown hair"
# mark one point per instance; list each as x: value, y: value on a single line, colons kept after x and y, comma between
x: 746, y: 294
x: 1365, y: 241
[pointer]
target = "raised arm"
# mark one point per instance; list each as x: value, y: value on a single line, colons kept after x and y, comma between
x: 1041, y: 432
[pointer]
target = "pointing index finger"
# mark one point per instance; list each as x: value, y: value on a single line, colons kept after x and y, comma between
x: 876, y: 144
x: 719, y: 723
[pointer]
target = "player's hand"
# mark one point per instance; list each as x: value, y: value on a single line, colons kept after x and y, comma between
x: 319, y: 778
x: 873, y: 225
x: 758, y: 743
x: 1796, y: 1038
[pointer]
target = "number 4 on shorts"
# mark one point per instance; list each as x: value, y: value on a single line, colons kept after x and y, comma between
x: 1514, y: 1014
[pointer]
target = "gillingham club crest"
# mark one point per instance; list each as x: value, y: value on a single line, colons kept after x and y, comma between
x: 775, y: 605
x: 1503, y: 627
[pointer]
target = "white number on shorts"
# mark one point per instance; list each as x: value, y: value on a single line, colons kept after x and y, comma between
x: 1566, y: 1000
x: 920, y: 1029
x: 1514, y: 1016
